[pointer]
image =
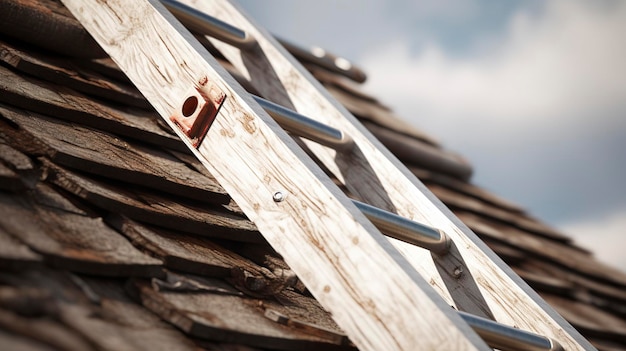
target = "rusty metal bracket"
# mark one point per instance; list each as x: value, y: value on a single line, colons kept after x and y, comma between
x: 198, y: 111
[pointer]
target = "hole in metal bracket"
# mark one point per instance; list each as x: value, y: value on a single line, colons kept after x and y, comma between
x: 198, y: 111
x: 190, y: 106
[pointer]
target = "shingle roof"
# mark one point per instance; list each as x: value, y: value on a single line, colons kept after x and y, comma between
x: 112, y: 236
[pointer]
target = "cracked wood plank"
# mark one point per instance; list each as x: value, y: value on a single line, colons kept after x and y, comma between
x: 185, y: 253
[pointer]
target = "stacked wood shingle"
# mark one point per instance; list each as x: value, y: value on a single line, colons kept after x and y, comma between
x: 113, y: 237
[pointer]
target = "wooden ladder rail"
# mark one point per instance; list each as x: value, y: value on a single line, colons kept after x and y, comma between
x: 494, y: 330
x: 488, y: 287
x: 296, y: 207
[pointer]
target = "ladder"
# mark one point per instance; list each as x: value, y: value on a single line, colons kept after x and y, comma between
x: 391, y: 292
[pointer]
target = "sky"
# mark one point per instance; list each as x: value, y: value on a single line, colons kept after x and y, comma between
x: 532, y: 93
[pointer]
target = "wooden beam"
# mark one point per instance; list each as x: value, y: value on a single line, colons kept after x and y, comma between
x: 471, y: 277
x: 372, y: 292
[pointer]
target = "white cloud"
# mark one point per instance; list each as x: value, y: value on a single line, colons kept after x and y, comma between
x: 540, y: 110
x: 548, y: 68
x: 605, y: 237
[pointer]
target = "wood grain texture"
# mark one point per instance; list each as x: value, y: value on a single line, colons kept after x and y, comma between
x: 74, y: 312
x: 62, y: 71
x: 118, y: 323
x: 47, y: 24
x: 155, y: 209
x: 17, y: 171
x: 107, y: 155
x: 230, y: 318
x: 253, y: 158
x: 376, y: 176
x: 203, y: 257
x: 106, y: 67
x: 14, y: 255
x: 64, y: 103
x: 181, y: 252
x: 69, y: 238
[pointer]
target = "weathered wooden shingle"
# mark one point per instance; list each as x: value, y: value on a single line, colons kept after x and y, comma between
x: 17, y: 172
x: 72, y: 312
x: 14, y: 255
x: 149, y: 207
x: 61, y: 102
x: 65, y: 72
x: 106, y: 155
x: 230, y: 318
x: 204, y: 257
x: 70, y: 238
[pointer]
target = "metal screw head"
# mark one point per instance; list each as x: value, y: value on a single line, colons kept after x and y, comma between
x: 458, y: 271
x: 279, y: 196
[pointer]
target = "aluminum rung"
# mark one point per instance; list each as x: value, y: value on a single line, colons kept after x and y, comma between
x: 405, y: 229
x: 208, y: 25
x: 388, y: 223
x: 507, y: 338
x: 202, y: 23
x: 306, y: 127
x: 290, y: 120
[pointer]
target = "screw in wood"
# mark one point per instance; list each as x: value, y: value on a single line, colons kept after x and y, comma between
x: 279, y: 196
x: 458, y: 271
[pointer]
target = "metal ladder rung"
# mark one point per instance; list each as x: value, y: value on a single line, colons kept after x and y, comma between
x: 306, y: 127
x: 208, y: 25
x: 495, y: 334
x: 388, y: 223
x: 202, y: 23
x: 504, y: 337
x: 405, y: 229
